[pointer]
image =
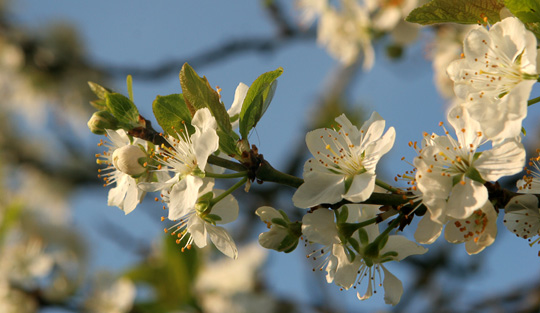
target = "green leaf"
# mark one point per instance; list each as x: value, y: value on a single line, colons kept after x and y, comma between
x: 227, y: 143
x: 122, y: 108
x: 99, y: 90
x: 257, y: 100
x: 99, y: 104
x: 457, y: 11
x: 528, y: 11
x: 172, y: 114
x: 129, y: 83
x: 199, y: 94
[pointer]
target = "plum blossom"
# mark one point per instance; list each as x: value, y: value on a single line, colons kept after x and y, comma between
x: 200, y: 222
x: 530, y: 183
x: 523, y: 217
x: 281, y: 236
x: 186, y: 158
x: 344, y: 162
x: 451, y: 172
x: 122, y: 160
x: 110, y: 295
x: 477, y: 231
x: 367, y: 262
x: 496, y: 76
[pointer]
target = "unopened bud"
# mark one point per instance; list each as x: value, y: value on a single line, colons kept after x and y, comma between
x: 100, y: 121
x: 126, y: 160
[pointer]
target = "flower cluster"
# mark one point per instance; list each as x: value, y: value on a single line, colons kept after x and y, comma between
x: 450, y: 187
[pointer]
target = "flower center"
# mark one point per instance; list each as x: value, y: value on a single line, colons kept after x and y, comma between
x: 341, y: 155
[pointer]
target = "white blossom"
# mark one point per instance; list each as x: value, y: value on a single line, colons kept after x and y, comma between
x: 186, y: 158
x: 523, y: 216
x: 196, y: 225
x: 496, y: 76
x: 344, y: 162
x: 477, y: 231
x: 120, y: 168
x: 451, y: 172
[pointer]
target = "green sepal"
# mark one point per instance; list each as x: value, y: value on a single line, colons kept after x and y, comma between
x: 207, y: 197
x: 473, y: 174
x: 456, y: 179
x: 280, y: 222
x: 371, y: 251
x: 457, y: 11
x: 354, y: 243
x: 213, y: 218
x: 348, y: 183
x: 100, y: 121
x: 392, y: 254
x: 342, y: 215
x: 523, y: 131
x: 295, y: 229
x: 199, y: 94
x: 257, y: 100
x: 288, y: 244
x: 172, y: 114
x: 122, y: 108
x: 285, y: 217
x: 383, y: 241
x: 363, y: 236
x: 99, y: 90
x: 350, y: 254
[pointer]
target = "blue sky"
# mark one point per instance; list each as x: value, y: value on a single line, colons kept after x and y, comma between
x: 144, y: 33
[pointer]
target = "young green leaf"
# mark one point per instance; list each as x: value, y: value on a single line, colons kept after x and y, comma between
x: 199, y: 94
x: 227, y: 143
x: 98, y: 90
x: 122, y: 108
x: 129, y: 83
x: 528, y: 11
x: 457, y: 11
x: 257, y: 100
x: 171, y: 113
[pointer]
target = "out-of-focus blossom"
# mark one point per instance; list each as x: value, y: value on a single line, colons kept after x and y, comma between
x: 346, y: 34
x: 110, y: 295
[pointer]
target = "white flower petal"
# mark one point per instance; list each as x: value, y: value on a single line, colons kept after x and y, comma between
x: 183, y: 196
x: 393, y: 288
x: 403, y: 246
x: 319, y: 188
x: 361, y: 188
x: 466, y: 198
x: 320, y: 227
x: 227, y: 208
x: 222, y: 240
x: 428, y: 230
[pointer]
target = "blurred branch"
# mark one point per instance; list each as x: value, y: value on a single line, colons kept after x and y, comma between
x: 219, y: 53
